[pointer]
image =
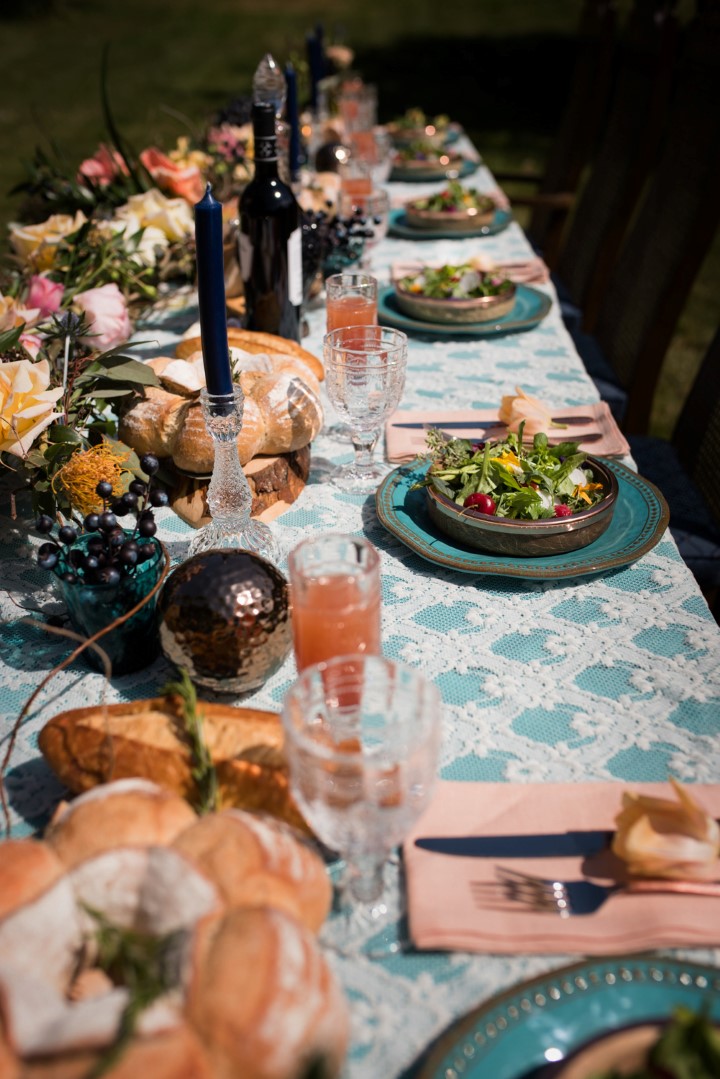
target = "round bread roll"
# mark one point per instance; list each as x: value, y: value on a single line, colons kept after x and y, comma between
x: 193, y: 449
x: 173, y: 1054
x: 128, y: 812
x: 27, y: 869
x: 255, y: 861
x: 292, y: 411
x: 153, y: 423
x: 263, y: 998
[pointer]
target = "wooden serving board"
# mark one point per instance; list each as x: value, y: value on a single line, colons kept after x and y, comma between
x: 274, y: 481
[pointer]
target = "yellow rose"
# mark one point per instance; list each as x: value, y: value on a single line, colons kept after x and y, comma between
x: 174, y: 217
x: 26, y: 404
x: 660, y: 838
x: 513, y: 410
x: 35, y: 244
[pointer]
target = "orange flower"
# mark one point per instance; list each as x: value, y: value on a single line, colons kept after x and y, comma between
x: 185, y: 181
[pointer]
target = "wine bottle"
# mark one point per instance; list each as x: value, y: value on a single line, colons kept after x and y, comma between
x: 270, y: 239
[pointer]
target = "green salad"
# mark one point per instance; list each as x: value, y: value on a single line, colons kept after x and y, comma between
x: 454, y: 199
x: 464, y: 282
x: 688, y: 1048
x: 423, y: 150
x: 509, y: 478
x: 414, y: 118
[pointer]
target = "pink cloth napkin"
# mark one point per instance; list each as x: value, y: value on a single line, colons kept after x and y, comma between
x: 442, y: 910
x: 402, y: 444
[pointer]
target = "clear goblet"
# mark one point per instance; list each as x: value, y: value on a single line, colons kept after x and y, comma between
x: 362, y: 739
x: 364, y: 377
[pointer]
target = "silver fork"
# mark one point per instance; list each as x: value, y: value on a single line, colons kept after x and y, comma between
x: 572, y: 897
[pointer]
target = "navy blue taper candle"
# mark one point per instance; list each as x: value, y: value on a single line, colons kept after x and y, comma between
x: 315, y: 64
x: 291, y: 108
x: 211, y: 293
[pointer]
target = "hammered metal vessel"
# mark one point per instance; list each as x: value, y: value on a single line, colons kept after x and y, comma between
x: 225, y: 617
x: 454, y: 311
x: 527, y: 539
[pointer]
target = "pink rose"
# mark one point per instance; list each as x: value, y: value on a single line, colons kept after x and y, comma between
x: 185, y: 181
x: 103, y: 167
x: 32, y: 343
x: 107, y: 314
x: 44, y: 294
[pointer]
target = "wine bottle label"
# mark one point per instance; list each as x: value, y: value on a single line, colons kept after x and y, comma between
x: 294, y: 253
x: 265, y: 148
x: 245, y: 250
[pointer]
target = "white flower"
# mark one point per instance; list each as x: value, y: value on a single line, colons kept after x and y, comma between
x: 151, y: 209
x: 26, y: 404
x: 151, y: 243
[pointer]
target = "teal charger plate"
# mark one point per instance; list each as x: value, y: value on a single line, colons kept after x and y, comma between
x: 518, y: 1034
x: 530, y: 308
x: 407, y: 176
x: 398, y: 226
x: 638, y: 523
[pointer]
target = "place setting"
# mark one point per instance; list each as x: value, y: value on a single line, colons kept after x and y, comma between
x: 456, y: 212
x: 518, y: 491
x: 468, y: 299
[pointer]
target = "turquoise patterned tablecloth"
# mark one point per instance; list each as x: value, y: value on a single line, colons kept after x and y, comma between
x: 608, y: 677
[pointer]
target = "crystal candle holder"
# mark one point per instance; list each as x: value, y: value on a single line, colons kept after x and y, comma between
x: 229, y: 496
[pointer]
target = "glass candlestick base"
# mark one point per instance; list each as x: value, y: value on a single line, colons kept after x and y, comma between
x: 229, y: 496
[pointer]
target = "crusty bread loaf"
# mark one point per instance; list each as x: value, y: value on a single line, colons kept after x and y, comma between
x: 87, y: 746
x: 255, y: 861
x: 133, y: 812
x: 27, y: 868
x: 251, y: 341
x: 264, y: 999
x: 172, y: 1054
x: 282, y: 412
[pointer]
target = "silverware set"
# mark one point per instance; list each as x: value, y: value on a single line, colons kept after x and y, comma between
x: 496, y: 427
x: 567, y: 898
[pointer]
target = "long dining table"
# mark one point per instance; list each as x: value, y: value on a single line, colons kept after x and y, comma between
x: 613, y: 675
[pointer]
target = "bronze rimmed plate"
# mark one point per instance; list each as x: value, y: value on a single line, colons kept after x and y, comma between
x: 453, y: 312
x: 638, y: 524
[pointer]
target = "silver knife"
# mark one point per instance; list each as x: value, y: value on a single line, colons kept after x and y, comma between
x: 556, y: 440
x: 550, y: 845
x: 481, y: 425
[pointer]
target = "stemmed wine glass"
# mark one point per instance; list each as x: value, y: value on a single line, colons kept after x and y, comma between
x: 362, y: 739
x: 364, y: 377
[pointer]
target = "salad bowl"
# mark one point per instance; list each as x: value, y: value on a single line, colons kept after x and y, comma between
x: 455, y: 295
x: 528, y: 539
x: 456, y: 209
x: 423, y: 161
x: 415, y: 126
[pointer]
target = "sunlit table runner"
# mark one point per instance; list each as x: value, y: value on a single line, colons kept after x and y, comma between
x: 613, y: 677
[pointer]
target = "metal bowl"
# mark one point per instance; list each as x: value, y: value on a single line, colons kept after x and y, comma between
x: 527, y: 539
x: 452, y: 311
x: 405, y: 136
x: 444, y: 221
x: 428, y: 169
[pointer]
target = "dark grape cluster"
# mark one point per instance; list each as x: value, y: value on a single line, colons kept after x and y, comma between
x: 331, y: 243
x: 110, y: 553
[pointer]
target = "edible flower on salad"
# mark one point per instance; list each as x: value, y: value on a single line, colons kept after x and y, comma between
x: 460, y: 282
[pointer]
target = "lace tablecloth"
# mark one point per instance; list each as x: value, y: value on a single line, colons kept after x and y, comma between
x: 615, y: 676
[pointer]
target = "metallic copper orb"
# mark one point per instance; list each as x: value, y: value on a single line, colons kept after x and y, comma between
x: 225, y: 616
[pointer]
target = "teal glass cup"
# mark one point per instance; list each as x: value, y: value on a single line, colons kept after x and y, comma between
x: 91, y: 607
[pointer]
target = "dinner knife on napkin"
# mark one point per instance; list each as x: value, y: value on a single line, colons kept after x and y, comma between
x: 480, y: 425
x: 549, y: 845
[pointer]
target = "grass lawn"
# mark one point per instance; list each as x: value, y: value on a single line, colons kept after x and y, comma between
x: 501, y: 69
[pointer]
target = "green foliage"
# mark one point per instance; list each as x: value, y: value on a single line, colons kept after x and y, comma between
x: 203, y: 771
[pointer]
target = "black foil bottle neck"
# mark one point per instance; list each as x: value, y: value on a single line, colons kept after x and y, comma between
x: 265, y: 139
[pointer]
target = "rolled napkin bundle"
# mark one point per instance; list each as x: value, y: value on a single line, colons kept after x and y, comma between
x: 456, y: 903
x: 404, y: 444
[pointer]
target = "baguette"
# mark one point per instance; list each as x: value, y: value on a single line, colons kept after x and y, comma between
x: 89, y: 746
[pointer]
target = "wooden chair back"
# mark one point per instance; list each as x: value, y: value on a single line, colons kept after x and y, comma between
x: 697, y: 433
x: 674, y: 227
x: 627, y: 153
